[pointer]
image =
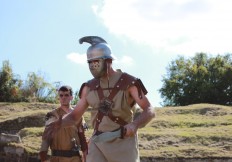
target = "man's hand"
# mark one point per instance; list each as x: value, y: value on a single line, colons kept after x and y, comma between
x: 51, y: 129
x: 130, y: 130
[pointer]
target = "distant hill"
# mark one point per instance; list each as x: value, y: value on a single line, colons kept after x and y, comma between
x: 194, y: 131
x: 200, y: 131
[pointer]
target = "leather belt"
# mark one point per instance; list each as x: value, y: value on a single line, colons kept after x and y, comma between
x: 65, y: 153
x: 122, y: 130
x: 99, y: 132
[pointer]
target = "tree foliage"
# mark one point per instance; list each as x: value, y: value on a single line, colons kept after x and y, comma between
x: 9, y: 83
x: 201, y: 79
x: 34, y: 88
x: 75, y: 98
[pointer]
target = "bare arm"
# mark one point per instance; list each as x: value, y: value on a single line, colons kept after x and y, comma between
x: 75, y: 116
x: 68, y: 120
x: 146, y: 115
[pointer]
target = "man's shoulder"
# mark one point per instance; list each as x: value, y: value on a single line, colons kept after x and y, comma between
x: 129, y: 76
x: 92, y: 83
x: 129, y: 80
x: 53, y: 111
x: 51, y: 116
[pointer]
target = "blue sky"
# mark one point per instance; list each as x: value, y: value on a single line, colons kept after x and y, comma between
x: 145, y: 35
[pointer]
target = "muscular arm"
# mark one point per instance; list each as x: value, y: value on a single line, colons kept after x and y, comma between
x: 68, y: 120
x: 146, y: 115
x: 75, y: 116
x: 148, y: 111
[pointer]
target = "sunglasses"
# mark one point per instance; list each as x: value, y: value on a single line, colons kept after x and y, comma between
x: 66, y: 95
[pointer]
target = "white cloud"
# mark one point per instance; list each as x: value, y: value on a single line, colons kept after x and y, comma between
x: 77, y: 58
x: 124, y: 61
x: 177, y: 26
x: 81, y: 59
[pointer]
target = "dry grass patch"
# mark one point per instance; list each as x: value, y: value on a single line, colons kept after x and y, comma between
x: 194, y: 131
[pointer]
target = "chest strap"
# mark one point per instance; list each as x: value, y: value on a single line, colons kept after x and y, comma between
x: 123, y: 83
x: 115, y: 90
x: 115, y: 119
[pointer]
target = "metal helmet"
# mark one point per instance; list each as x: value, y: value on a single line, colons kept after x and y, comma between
x: 99, y: 48
x: 97, y: 53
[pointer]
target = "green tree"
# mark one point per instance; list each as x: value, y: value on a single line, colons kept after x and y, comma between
x: 75, y: 98
x: 201, y: 79
x: 9, y: 83
x: 37, y: 89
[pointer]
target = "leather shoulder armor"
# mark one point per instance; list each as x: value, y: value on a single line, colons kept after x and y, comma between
x: 129, y: 80
x: 124, y: 82
x: 92, y: 84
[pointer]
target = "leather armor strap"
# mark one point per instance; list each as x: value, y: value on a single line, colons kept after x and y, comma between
x: 121, y: 129
x: 120, y: 85
x: 127, y: 81
x: 101, y: 96
x: 123, y: 83
x: 98, y: 120
x: 117, y: 120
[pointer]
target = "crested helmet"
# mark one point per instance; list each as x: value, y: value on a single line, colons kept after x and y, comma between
x: 99, y: 48
x: 97, y: 54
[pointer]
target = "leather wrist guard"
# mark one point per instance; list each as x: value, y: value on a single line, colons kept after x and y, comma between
x: 83, y: 141
x: 43, y: 155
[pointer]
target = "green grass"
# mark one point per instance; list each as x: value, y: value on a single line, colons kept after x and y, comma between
x: 198, y: 131
x: 31, y: 139
x: 186, y: 151
x: 23, y: 114
x: 191, y: 120
x: 10, y: 111
x: 201, y: 130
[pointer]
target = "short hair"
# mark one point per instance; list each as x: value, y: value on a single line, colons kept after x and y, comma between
x: 66, y: 88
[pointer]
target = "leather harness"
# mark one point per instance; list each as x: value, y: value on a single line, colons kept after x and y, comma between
x: 123, y: 83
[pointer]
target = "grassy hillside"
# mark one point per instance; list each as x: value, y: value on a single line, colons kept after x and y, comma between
x: 200, y: 130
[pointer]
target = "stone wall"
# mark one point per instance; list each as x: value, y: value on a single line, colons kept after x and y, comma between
x: 13, y: 153
x: 8, y: 130
x: 14, y: 125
